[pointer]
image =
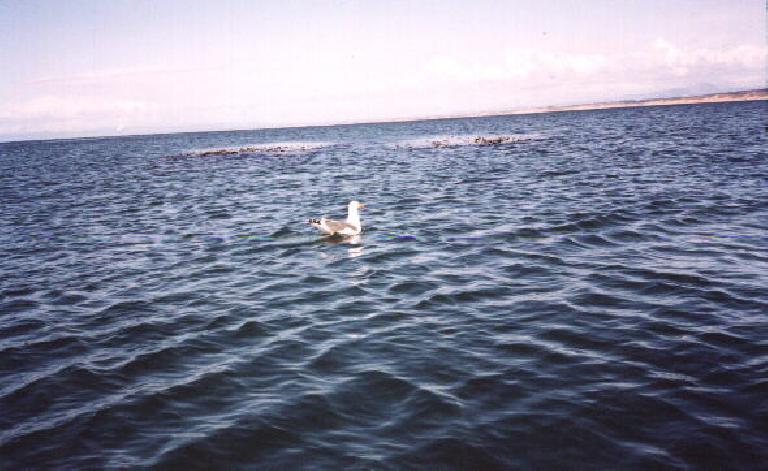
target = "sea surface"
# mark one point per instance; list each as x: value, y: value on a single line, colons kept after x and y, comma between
x: 591, y: 293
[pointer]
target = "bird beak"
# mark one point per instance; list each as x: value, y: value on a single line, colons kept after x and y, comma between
x: 361, y: 205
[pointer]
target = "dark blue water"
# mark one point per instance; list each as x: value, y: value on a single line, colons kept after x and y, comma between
x: 590, y: 295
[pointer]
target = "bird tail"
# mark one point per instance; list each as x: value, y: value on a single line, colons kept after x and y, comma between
x: 314, y: 222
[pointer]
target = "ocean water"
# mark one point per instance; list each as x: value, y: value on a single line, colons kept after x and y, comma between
x: 591, y: 293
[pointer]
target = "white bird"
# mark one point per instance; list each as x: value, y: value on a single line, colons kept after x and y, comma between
x: 350, y: 227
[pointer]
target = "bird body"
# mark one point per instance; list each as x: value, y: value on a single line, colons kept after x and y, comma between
x: 350, y: 227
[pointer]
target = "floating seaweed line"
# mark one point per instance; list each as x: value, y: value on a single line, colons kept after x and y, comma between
x: 267, y: 148
x: 438, y: 142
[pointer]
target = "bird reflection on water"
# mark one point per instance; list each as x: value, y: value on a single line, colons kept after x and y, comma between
x: 355, y: 242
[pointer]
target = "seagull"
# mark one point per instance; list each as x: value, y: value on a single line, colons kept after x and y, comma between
x: 350, y: 227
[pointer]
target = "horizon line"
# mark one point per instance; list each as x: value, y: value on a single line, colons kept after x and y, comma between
x: 760, y: 94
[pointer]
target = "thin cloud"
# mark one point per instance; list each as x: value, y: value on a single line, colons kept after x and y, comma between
x: 117, y: 74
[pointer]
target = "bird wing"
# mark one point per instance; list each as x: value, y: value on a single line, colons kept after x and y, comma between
x: 336, y: 227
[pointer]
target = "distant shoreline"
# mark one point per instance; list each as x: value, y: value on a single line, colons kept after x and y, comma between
x: 720, y: 97
x: 747, y: 95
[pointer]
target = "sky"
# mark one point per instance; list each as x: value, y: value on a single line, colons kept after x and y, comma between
x: 90, y: 67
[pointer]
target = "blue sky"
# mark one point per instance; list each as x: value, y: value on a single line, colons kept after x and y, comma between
x: 123, y: 67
